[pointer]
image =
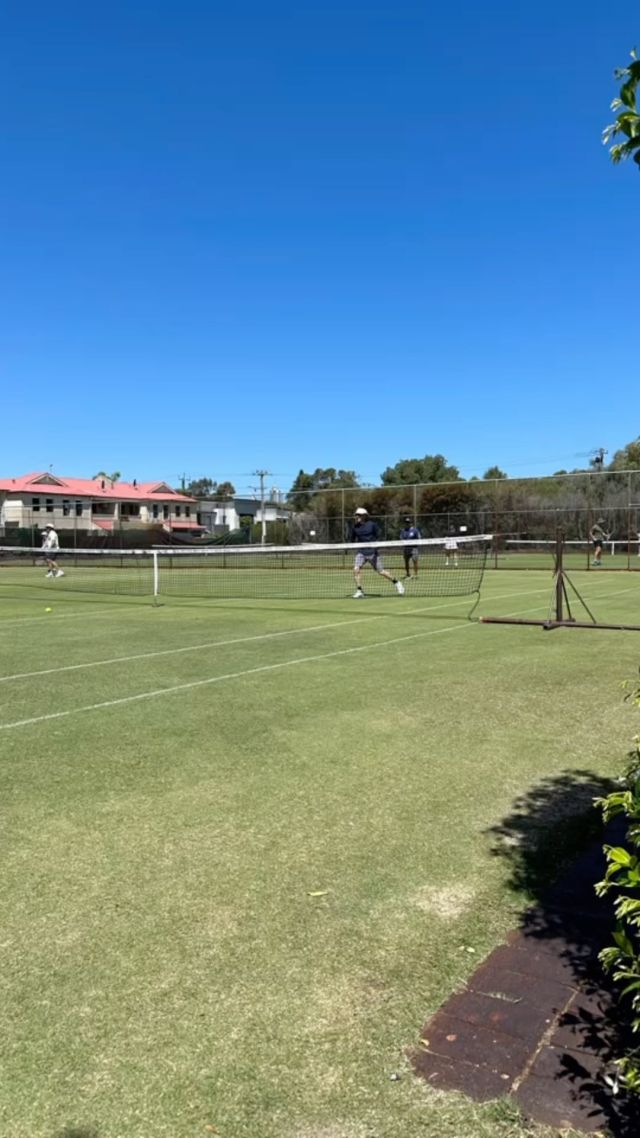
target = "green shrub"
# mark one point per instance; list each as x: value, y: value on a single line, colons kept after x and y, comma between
x: 622, y: 880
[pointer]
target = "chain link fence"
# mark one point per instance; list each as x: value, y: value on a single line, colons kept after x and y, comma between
x: 515, y: 511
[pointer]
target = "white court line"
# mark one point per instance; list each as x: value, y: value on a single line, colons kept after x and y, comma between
x: 241, y: 639
x: 190, y: 648
x: 54, y: 618
x: 240, y: 675
x: 231, y: 676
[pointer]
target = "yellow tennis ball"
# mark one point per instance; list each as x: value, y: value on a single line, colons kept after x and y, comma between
x: 48, y: 610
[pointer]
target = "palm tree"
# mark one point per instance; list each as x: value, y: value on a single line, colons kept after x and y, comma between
x: 628, y: 121
x: 110, y: 478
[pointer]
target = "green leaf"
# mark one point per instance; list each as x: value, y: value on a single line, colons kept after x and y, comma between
x: 628, y: 93
x: 632, y: 987
x: 623, y: 942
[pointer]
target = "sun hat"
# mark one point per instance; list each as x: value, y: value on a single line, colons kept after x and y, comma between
x: 361, y: 510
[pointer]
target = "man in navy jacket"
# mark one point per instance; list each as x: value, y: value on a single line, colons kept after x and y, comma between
x: 364, y: 531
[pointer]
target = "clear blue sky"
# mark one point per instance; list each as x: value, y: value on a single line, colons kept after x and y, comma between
x: 297, y: 234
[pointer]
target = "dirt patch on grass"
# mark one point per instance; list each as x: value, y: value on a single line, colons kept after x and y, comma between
x: 445, y: 901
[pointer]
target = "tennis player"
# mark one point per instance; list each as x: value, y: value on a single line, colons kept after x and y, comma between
x: 598, y: 536
x: 410, y: 533
x: 51, y: 547
x: 365, y: 531
x: 451, y: 548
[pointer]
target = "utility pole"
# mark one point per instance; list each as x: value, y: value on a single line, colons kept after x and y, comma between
x: 262, y: 474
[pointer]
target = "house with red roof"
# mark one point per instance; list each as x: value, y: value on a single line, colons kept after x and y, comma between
x: 92, y: 505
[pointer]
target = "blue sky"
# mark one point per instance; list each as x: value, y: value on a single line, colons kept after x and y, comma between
x: 289, y: 235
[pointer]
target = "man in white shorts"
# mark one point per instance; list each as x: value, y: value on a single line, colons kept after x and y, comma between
x: 451, y: 549
x: 50, y: 548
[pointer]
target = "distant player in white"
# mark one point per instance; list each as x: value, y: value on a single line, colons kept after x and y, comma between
x: 50, y: 547
x: 451, y: 548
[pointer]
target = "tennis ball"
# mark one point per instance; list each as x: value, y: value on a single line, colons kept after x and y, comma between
x: 48, y: 610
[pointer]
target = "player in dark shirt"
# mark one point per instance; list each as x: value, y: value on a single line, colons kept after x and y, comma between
x: 410, y: 533
x: 598, y: 536
x: 365, y: 531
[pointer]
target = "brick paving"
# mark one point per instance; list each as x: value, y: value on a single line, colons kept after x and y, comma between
x: 537, y: 1020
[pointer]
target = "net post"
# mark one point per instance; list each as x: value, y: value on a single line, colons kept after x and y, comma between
x: 559, y: 575
x: 156, y: 575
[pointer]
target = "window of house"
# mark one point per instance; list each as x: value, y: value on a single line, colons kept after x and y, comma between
x: 154, y: 510
x: 187, y: 511
x: 178, y: 511
x: 165, y: 512
x: 78, y: 509
x: 66, y: 507
x: 48, y: 505
x: 35, y: 505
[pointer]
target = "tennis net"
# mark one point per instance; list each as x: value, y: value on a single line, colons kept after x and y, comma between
x: 428, y: 567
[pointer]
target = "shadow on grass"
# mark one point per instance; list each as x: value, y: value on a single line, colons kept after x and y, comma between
x: 71, y: 1131
x: 548, y: 827
x: 552, y: 841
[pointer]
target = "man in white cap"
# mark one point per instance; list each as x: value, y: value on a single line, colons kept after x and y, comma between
x: 365, y: 530
x: 50, y: 546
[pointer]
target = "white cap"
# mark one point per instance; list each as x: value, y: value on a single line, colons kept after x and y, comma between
x: 361, y: 510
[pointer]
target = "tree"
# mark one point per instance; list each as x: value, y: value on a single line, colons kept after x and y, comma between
x: 200, y: 487
x: 301, y: 492
x: 628, y: 458
x: 208, y: 488
x: 494, y: 472
x: 307, y: 485
x: 413, y: 471
x: 224, y: 491
x: 627, y: 122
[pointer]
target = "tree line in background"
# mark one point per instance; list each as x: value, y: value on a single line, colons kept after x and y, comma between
x: 431, y: 490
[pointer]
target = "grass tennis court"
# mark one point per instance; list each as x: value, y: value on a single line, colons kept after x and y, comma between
x: 249, y: 847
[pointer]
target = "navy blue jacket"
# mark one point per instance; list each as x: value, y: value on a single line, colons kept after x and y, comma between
x: 366, y: 531
x: 410, y: 533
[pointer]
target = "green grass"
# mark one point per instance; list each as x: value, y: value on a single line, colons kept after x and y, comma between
x: 248, y: 847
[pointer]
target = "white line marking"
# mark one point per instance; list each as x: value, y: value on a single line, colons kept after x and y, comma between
x: 240, y: 640
x: 186, y: 648
x: 231, y: 676
x: 240, y: 675
x: 52, y: 618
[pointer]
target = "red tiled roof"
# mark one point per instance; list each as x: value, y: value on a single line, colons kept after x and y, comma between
x: 53, y: 485
x: 103, y: 523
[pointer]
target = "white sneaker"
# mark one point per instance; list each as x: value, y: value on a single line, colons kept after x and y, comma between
x: 399, y: 588
x: 358, y: 593
x: 59, y: 573
x: 49, y: 574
